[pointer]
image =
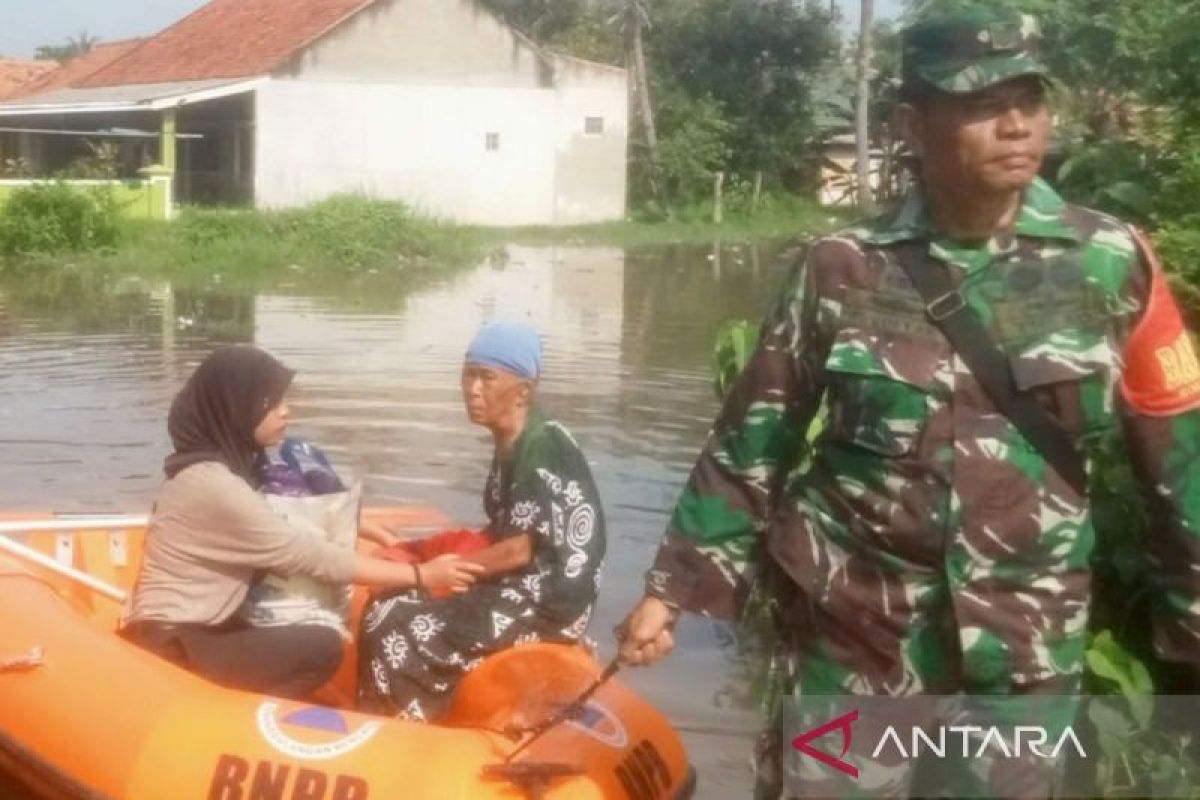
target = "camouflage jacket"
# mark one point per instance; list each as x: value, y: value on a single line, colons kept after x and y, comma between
x: 932, y: 548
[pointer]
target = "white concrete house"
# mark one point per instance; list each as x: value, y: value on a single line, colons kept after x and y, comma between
x: 285, y: 102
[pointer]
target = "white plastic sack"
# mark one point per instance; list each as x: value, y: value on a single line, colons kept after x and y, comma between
x: 300, y: 600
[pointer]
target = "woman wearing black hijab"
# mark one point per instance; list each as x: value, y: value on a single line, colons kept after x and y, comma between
x: 210, y: 533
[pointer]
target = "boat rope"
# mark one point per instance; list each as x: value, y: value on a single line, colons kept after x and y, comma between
x: 571, y: 711
x: 35, y: 658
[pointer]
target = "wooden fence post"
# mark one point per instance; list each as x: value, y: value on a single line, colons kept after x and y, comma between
x: 718, y: 205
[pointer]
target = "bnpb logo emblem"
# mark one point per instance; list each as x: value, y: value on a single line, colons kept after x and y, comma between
x: 312, y: 733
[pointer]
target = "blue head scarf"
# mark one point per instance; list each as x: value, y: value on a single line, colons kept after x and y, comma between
x: 513, y: 346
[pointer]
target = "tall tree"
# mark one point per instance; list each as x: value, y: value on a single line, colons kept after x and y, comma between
x: 862, y: 99
x: 635, y: 18
x: 756, y: 62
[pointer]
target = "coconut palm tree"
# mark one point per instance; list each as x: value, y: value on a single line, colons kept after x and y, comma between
x: 75, y: 46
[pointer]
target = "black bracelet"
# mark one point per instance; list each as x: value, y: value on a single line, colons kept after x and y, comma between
x: 420, y: 587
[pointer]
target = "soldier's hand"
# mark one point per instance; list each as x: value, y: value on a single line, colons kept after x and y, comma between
x: 647, y: 635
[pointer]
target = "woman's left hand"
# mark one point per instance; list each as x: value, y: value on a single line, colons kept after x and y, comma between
x: 450, y: 572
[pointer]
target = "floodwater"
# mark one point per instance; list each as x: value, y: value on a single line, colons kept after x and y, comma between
x: 88, y: 368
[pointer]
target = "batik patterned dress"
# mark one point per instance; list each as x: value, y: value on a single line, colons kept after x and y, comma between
x: 415, y: 650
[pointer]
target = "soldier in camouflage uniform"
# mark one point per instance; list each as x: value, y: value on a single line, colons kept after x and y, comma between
x: 928, y: 546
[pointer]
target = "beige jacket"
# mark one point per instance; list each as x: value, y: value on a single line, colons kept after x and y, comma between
x: 209, y: 534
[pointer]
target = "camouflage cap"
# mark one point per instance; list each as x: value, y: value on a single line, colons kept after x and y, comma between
x: 971, y: 49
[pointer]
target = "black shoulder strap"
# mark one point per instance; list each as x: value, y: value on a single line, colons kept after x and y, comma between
x: 948, y: 310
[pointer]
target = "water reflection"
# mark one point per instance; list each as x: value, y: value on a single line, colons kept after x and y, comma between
x: 88, y: 366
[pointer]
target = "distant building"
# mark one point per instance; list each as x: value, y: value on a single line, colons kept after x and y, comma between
x: 284, y: 102
x: 61, y: 76
x: 839, y: 177
x: 18, y: 73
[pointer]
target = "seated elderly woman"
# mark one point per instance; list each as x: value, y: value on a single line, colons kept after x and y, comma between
x: 542, y: 568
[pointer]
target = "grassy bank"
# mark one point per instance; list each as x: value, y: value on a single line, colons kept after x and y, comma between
x: 329, y: 242
x: 333, y: 244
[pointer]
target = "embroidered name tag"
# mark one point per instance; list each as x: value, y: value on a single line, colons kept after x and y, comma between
x: 886, y: 311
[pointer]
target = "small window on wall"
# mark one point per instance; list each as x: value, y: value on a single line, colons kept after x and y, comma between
x: 491, y: 141
x: 593, y: 126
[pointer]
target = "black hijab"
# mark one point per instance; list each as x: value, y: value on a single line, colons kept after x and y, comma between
x: 214, y: 415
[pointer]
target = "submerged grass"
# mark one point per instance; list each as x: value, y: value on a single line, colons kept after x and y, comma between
x: 777, y: 216
x: 329, y: 242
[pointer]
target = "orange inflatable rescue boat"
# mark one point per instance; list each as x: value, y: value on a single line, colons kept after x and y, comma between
x: 86, y: 715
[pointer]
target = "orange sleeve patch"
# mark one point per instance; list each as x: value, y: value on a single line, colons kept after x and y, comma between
x: 1162, y: 372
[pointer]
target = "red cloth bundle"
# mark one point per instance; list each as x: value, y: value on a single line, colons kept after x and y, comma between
x: 417, y: 551
x: 463, y: 542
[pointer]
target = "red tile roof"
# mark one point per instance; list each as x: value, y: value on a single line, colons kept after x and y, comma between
x: 77, y: 69
x: 17, y: 73
x: 227, y: 39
